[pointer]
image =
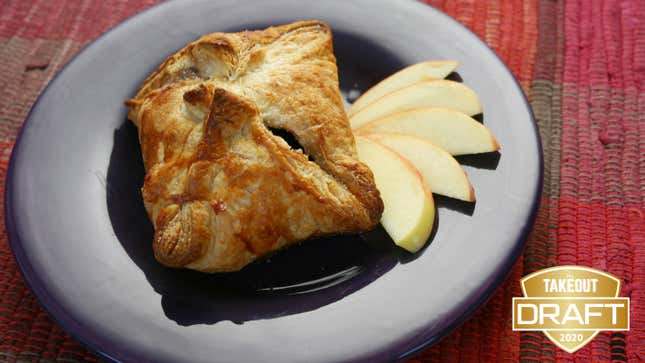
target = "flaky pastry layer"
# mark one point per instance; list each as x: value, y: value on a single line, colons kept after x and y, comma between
x: 221, y: 189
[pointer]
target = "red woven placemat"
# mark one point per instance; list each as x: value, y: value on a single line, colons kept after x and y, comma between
x: 582, y: 63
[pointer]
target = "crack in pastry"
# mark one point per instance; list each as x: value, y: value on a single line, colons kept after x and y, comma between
x: 221, y: 189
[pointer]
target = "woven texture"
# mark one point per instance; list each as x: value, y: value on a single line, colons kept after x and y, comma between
x: 582, y: 63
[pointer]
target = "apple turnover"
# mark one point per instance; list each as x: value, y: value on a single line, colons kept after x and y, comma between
x: 221, y: 189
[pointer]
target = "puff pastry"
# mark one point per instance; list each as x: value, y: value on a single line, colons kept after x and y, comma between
x: 220, y: 188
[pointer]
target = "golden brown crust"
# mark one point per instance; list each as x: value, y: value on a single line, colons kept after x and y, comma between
x: 220, y: 188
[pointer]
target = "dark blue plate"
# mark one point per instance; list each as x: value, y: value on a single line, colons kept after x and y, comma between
x: 82, y: 239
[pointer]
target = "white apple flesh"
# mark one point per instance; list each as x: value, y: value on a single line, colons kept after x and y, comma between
x: 436, y: 93
x: 440, y: 170
x: 409, y: 210
x: 450, y: 130
x: 423, y: 71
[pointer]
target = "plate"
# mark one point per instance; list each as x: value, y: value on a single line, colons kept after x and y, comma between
x: 82, y: 239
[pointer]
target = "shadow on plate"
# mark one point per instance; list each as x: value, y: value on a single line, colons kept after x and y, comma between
x: 380, y: 240
x: 481, y: 161
x: 301, y: 278
x: 454, y: 76
x: 456, y: 205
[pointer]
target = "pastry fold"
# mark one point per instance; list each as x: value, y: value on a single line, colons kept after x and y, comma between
x: 220, y: 188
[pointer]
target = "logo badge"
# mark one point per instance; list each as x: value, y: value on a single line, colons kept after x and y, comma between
x: 571, y: 305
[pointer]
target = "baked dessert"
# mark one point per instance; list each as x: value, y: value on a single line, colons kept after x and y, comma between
x: 220, y: 188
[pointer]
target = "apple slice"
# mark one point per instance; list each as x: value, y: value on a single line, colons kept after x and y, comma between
x: 415, y: 73
x: 440, y: 170
x: 409, y: 208
x: 451, y: 130
x: 437, y: 93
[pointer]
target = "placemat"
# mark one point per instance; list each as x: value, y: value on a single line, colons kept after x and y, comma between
x: 581, y: 62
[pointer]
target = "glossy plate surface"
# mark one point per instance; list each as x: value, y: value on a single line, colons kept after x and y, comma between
x: 82, y: 239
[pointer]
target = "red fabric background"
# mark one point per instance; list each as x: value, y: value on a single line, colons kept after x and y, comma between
x: 582, y: 63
